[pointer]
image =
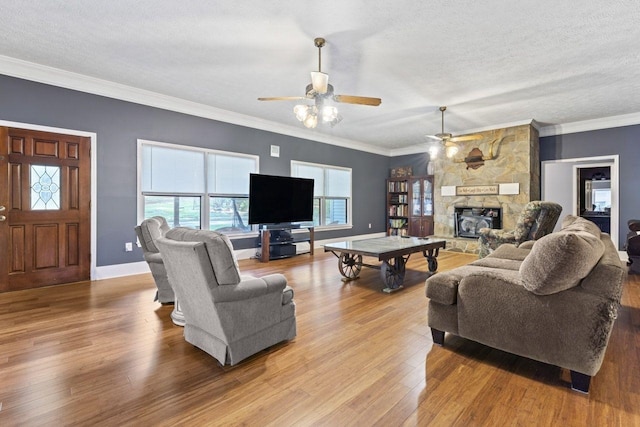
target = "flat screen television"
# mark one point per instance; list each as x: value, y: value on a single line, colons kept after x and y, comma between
x: 279, y: 199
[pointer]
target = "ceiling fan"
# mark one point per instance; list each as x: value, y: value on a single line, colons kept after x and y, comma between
x: 320, y: 91
x: 447, y: 140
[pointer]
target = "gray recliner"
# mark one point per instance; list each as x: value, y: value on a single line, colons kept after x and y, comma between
x: 149, y: 231
x: 227, y: 315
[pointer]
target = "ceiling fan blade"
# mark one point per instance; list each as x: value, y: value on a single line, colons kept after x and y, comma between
x: 362, y: 100
x: 283, y: 98
x: 465, y: 138
x: 433, y: 137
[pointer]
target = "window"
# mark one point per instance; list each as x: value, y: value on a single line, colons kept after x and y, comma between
x: 332, y: 192
x: 194, y: 187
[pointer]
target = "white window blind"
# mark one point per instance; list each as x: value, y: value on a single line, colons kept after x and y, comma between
x: 230, y: 174
x: 169, y: 170
x: 316, y: 173
x: 338, y: 183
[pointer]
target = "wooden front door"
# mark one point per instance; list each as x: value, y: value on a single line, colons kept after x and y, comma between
x: 45, y: 203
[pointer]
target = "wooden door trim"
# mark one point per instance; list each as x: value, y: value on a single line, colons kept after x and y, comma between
x: 94, y: 181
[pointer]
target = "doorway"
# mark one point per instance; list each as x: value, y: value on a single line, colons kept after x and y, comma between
x: 45, y: 225
x: 560, y: 181
x: 594, y: 194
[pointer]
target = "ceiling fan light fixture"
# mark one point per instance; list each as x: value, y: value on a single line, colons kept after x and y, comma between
x: 451, y: 150
x: 311, y: 121
x: 320, y: 81
x: 433, y: 150
x: 329, y: 113
x: 301, y: 111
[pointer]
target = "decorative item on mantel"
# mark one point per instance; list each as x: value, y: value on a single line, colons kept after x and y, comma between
x: 476, y: 157
x: 512, y: 188
x: 401, y: 172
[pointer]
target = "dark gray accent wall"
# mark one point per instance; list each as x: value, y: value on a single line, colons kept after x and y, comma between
x: 119, y: 124
x: 623, y: 141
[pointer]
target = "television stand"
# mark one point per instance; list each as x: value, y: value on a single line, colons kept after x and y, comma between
x: 277, y: 243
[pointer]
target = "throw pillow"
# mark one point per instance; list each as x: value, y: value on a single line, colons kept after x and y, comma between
x: 559, y: 261
x: 581, y: 224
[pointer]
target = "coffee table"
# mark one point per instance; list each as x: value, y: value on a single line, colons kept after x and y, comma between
x: 393, y: 251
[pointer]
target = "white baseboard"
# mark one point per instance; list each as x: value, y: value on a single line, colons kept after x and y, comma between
x: 623, y: 256
x: 119, y: 270
x: 131, y: 268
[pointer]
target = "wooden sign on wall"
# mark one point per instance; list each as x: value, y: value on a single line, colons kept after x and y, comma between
x: 477, y: 190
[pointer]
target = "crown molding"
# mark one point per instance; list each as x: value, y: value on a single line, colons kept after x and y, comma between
x: 70, y: 80
x: 589, y: 125
x: 422, y: 147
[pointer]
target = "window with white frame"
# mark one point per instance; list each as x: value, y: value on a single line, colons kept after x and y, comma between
x: 195, y: 187
x: 332, y: 192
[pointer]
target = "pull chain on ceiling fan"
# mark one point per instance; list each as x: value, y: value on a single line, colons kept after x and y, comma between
x: 320, y: 91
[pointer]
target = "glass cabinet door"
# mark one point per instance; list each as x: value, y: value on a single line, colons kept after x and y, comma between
x: 427, y: 192
x: 416, y: 198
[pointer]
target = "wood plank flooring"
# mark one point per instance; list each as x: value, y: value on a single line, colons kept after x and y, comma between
x: 103, y: 353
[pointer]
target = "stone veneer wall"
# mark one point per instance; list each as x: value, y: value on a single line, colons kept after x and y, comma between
x: 518, y: 161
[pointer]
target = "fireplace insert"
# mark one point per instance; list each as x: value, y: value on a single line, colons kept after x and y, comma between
x: 468, y: 220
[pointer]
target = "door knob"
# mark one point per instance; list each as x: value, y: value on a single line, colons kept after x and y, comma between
x: 2, y: 218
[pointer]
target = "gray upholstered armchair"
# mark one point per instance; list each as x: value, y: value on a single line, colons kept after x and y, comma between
x: 227, y: 315
x: 537, y: 219
x: 148, y: 232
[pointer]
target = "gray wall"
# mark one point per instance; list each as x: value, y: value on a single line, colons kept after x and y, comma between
x: 624, y: 141
x: 418, y: 162
x: 118, y: 125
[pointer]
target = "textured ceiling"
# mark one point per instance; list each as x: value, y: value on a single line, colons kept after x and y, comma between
x: 491, y: 62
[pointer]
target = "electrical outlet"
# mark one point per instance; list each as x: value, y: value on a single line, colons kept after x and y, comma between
x: 128, y: 247
x: 369, y: 225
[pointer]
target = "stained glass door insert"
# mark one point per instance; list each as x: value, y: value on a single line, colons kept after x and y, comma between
x: 45, y: 187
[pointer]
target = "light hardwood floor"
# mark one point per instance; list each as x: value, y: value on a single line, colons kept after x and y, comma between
x: 103, y: 353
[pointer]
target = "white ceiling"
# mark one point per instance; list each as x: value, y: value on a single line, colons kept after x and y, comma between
x: 492, y: 62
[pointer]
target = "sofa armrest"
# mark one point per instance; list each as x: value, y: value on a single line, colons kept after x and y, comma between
x: 497, y: 235
x: 250, y: 288
x: 443, y: 287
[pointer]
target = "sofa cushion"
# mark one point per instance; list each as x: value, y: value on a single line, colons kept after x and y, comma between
x: 559, y: 261
x: 219, y: 248
x: 517, y: 253
x: 501, y: 263
x: 576, y: 223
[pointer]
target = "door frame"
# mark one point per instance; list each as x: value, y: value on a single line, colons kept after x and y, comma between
x: 94, y: 168
x: 613, y: 161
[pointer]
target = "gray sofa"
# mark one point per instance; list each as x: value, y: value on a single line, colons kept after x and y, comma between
x: 228, y: 315
x: 553, y: 300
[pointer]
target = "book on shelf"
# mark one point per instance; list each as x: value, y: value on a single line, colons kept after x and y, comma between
x: 398, y: 186
x: 397, y: 223
x: 398, y: 232
x: 398, y: 210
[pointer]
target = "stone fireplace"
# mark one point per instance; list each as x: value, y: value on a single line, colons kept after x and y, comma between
x: 514, y: 170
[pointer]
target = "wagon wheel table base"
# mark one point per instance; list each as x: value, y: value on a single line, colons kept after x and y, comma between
x: 393, y: 251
